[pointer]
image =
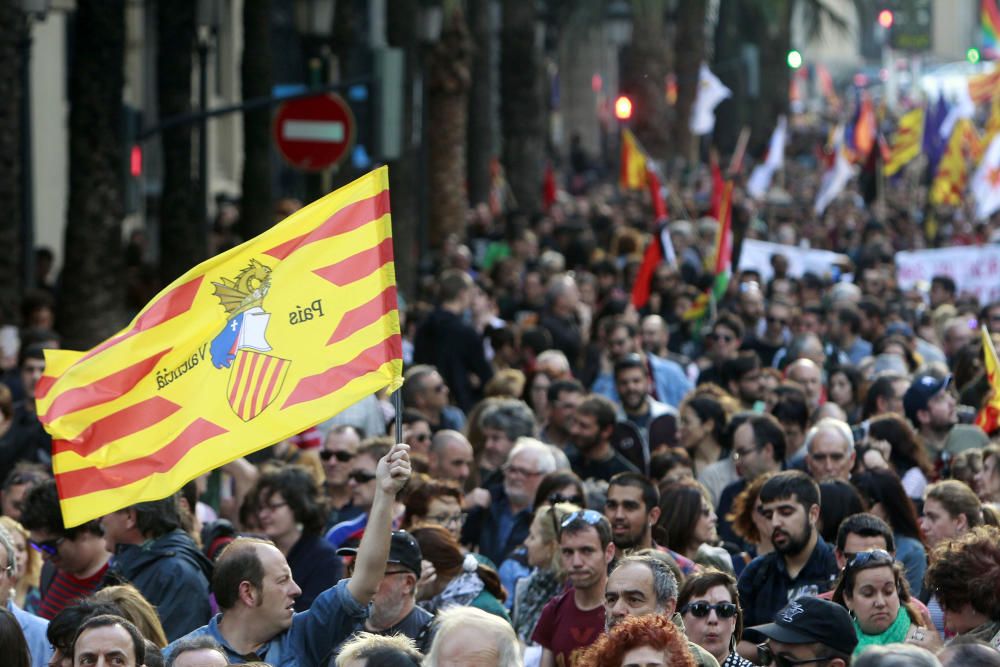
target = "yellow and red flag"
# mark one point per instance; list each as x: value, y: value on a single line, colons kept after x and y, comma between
x: 244, y: 350
x: 988, y: 417
x: 633, y: 163
x: 906, y: 142
x: 952, y: 175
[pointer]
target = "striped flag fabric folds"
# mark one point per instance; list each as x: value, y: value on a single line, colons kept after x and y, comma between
x: 244, y: 350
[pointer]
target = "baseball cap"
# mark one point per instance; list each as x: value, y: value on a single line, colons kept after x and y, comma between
x: 807, y: 620
x: 403, y: 550
x: 923, y: 388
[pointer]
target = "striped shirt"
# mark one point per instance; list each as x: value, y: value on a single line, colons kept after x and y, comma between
x: 67, y: 589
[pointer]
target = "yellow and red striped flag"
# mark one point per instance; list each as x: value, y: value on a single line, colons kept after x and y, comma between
x: 906, y: 142
x: 988, y: 417
x: 632, y: 174
x: 244, y: 350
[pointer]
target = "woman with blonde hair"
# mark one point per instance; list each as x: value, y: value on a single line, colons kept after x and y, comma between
x: 29, y: 567
x: 547, y: 576
x: 136, y: 609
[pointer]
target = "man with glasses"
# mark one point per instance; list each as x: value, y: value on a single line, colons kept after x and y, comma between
x: 32, y: 626
x: 426, y: 391
x: 808, y: 631
x: 361, y: 481
x: 758, y: 448
x: 337, y: 454
x: 574, y: 619
x: 394, y: 608
x: 78, y: 554
x: 775, y: 334
x: 416, y: 431
x: 502, y: 526
x: 642, y: 584
x: 153, y: 553
x: 830, y: 450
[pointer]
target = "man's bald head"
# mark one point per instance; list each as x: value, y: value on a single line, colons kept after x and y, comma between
x: 450, y: 456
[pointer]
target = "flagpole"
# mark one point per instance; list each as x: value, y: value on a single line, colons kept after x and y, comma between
x: 397, y: 403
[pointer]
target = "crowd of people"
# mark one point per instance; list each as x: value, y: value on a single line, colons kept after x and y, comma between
x: 789, y: 476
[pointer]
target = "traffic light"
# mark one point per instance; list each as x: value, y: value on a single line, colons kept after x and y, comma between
x: 972, y: 55
x: 794, y: 59
x: 623, y: 108
x: 885, y: 18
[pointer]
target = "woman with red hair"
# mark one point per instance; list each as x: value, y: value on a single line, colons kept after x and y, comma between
x: 651, y: 641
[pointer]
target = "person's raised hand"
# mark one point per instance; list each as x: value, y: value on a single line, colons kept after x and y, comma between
x: 393, y: 470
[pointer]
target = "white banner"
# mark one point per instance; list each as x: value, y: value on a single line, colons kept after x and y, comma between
x: 757, y: 255
x: 975, y: 269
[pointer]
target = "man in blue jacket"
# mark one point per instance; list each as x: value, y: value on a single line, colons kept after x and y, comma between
x: 254, y: 588
x: 152, y: 552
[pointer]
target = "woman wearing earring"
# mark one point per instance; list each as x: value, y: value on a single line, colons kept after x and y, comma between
x: 291, y: 514
x: 873, y: 589
x: 710, y: 606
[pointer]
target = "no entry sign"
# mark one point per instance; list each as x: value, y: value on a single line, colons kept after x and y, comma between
x: 314, y: 133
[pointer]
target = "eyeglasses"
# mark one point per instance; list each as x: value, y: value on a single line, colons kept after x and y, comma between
x: 590, y: 517
x: 515, y: 470
x: 776, y: 320
x: 740, y: 453
x: 421, y: 437
x: 767, y: 657
x: 361, y: 476
x: 343, y: 457
x: 50, y: 547
x: 702, y: 609
x: 449, y: 519
x: 559, y: 498
x: 725, y: 338
x: 862, y: 558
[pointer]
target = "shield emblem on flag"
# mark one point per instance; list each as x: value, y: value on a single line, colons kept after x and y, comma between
x: 254, y: 381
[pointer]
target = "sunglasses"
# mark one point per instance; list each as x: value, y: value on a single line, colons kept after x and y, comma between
x: 421, y: 437
x: 725, y: 338
x: 361, y: 477
x: 559, y: 498
x: 702, y: 609
x: 343, y: 457
x: 50, y: 547
x: 768, y: 658
x: 589, y: 517
x: 776, y: 320
x: 863, y: 558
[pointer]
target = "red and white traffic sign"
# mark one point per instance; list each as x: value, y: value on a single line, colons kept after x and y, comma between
x: 314, y: 133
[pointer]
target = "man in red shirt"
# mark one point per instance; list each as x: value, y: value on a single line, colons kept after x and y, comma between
x: 78, y: 554
x: 573, y: 620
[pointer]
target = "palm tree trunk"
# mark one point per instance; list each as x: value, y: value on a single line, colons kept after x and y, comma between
x: 257, y: 79
x: 13, y: 33
x: 447, y: 105
x: 404, y: 172
x: 482, y: 99
x: 522, y: 104
x: 644, y: 76
x: 90, y: 305
x: 183, y: 241
x: 689, y: 50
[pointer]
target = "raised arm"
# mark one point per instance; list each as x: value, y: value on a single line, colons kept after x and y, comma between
x: 391, y: 474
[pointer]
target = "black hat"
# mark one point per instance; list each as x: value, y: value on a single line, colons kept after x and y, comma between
x: 403, y: 550
x: 807, y: 620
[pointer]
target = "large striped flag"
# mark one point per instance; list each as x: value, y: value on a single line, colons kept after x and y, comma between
x: 244, y: 350
x: 952, y: 175
x: 988, y: 417
x: 906, y: 142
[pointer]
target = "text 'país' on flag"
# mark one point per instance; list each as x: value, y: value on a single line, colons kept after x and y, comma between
x: 244, y: 350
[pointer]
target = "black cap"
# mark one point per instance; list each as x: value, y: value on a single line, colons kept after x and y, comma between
x: 923, y: 388
x: 807, y: 620
x: 403, y: 550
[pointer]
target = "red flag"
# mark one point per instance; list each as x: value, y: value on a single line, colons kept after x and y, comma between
x: 655, y: 191
x: 549, y: 187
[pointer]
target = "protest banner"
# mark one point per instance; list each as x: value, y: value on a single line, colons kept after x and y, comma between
x: 975, y: 269
x: 757, y: 255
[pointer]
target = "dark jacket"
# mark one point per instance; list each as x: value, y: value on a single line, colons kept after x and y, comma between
x: 482, y: 528
x: 315, y: 567
x: 456, y: 350
x: 173, y: 575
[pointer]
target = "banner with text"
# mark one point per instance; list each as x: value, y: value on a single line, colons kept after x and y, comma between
x: 975, y: 269
x: 757, y: 255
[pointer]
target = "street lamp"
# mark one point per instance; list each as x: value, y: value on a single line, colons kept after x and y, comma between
x: 618, y: 19
x: 209, y: 19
